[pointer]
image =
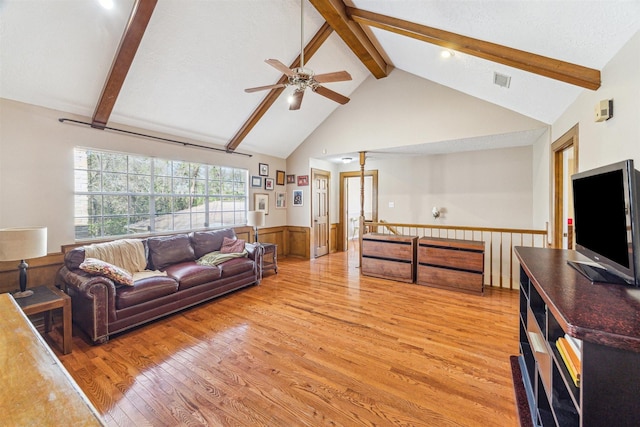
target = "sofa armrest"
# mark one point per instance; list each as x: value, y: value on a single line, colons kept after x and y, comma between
x: 93, y: 301
x: 255, y: 253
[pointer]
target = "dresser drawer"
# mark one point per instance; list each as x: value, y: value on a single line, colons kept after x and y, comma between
x: 386, y: 269
x: 447, y: 278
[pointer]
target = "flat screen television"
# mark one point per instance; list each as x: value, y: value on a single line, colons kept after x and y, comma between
x: 606, y: 223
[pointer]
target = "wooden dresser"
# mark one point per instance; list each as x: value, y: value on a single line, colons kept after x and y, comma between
x: 35, y: 389
x: 389, y: 256
x: 451, y: 264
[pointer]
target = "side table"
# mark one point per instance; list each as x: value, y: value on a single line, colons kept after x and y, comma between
x: 45, y: 299
x: 270, y: 257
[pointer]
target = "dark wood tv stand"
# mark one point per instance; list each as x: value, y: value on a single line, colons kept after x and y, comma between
x: 555, y: 299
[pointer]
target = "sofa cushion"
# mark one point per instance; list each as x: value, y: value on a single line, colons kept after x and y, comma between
x: 190, y: 274
x: 232, y: 246
x: 74, y: 258
x: 169, y: 250
x: 144, y: 290
x: 209, y: 241
x: 98, y: 267
x: 236, y: 266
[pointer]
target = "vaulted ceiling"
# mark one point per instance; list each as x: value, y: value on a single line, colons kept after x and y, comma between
x: 181, y: 66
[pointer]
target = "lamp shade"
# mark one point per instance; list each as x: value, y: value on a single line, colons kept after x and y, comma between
x: 22, y: 243
x: 255, y: 218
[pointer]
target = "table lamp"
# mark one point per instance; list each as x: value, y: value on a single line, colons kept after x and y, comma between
x: 19, y: 244
x: 255, y: 219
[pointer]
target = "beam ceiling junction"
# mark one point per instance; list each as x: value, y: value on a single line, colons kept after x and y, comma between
x: 335, y: 13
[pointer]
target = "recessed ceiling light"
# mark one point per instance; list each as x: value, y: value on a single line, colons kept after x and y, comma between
x: 107, y: 4
x: 446, y: 53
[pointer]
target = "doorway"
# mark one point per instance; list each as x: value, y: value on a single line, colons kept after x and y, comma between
x: 564, y: 158
x: 350, y: 192
x: 320, y: 211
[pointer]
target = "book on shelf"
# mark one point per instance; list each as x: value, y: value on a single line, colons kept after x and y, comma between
x: 576, y: 345
x: 570, y: 360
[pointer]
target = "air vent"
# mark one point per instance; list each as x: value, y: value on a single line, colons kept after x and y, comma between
x: 501, y: 80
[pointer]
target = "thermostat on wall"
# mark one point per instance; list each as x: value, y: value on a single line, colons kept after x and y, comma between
x: 604, y: 110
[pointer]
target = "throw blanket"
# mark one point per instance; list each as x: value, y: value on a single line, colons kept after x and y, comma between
x: 217, y: 257
x: 127, y: 254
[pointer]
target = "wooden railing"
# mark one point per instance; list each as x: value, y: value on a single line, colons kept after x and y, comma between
x: 501, y: 265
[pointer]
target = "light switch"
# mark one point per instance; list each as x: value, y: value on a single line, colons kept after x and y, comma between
x: 391, y: 204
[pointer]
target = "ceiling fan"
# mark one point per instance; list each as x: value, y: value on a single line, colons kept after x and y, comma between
x: 302, y: 78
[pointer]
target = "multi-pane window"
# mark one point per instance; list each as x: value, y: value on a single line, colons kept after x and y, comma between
x: 118, y: 194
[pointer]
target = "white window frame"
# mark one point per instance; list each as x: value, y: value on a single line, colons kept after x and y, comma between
x: 229, y: 188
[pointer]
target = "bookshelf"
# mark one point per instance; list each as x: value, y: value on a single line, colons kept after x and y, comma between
x: 555, y: 301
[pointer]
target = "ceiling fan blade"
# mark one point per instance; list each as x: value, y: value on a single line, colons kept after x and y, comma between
x: 338, y: 76
x: 296, y: 100
x: 334, y: 96
x: 280, y: 67
x: 259, y: 88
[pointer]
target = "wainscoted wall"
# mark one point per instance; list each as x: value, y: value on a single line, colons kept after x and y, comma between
x: 291, y: 241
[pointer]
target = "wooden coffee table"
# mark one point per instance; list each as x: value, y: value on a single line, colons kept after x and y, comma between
x: 45, y: 299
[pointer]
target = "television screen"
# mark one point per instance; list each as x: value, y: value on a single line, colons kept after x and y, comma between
x: 600, y: 215
x: 605, y: 221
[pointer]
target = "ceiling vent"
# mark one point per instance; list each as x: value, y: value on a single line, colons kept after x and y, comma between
x: 501, y: 80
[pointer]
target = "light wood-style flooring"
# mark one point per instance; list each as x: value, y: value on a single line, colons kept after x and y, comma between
x: 314, y: 345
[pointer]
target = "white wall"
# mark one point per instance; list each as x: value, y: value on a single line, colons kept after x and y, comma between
x: 36, y: 166
x: 402, y: 110
x: 491, y: 188
x: 598, y: 143
x: 618, y: 138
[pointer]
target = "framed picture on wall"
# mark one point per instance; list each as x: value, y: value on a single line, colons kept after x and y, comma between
x: 263, y: 169
x: 297, y: 197
x: 291, y: 179
x: 268, y: 183
x: 256, y: 181
x: 281, y: 200
x: 279, y: 177
x: 303, y: 180
x: 261, y: 202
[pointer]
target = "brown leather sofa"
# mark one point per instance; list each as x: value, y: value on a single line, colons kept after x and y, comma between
x: 102, y: 308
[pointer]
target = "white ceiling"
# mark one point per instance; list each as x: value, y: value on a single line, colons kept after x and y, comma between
x: 197, y: 56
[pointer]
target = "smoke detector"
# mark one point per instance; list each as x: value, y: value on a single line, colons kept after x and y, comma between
x: 501, y: 80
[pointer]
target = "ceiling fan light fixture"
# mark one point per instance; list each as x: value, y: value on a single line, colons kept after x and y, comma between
x: 302, y: 78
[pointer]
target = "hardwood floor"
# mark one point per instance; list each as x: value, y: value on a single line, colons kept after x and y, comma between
x: 314, y: 345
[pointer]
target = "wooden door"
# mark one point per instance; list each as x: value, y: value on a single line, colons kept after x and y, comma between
x: 564, y: 158
x: 320, y: 209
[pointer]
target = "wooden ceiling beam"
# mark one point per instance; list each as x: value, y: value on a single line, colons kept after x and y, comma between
x: 309, y: 50
x: 530, y: 62
x: 137, y: 25
x: 334, y: 12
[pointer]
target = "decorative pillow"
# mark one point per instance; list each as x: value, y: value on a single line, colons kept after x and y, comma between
x: 100, y: 268
x: 232, y: 246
